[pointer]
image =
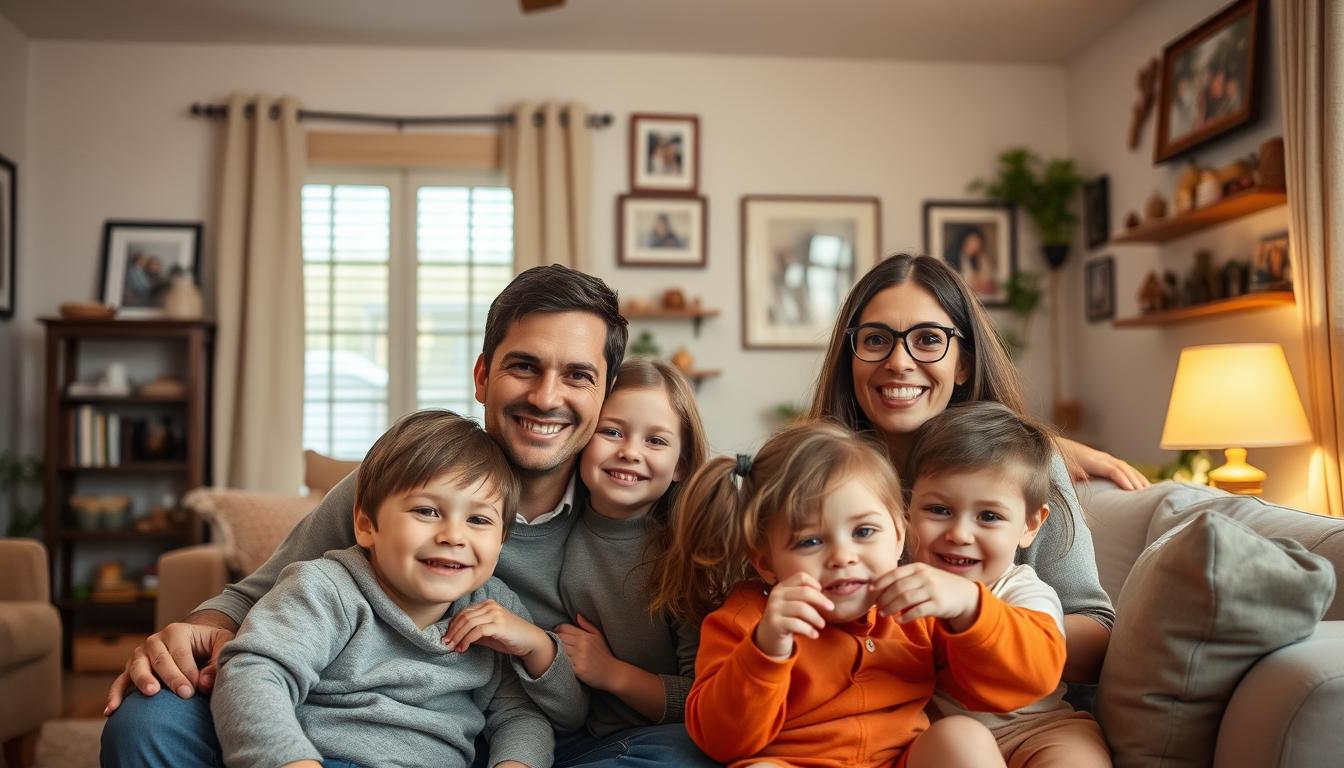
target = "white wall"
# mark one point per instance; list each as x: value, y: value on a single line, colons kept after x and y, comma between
x: 1124, y: 377
x: 13, y: 134
x: 111, y: 138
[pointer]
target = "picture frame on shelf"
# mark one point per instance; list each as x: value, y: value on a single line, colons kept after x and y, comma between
x: 664, y: 154
x: 9, y: 219
x: 1099, y: 297
x: 1272, y: 267
x: 1210, y: 80
x: 800, y: 257
x: 978, y: 239
x: 661, y: 231
x: 138, y: 259
x: 1097, y: 211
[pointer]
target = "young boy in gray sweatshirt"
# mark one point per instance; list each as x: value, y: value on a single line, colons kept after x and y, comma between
x: 344, y: 659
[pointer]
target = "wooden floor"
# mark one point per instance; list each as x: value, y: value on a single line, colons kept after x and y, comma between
x: 85, y: 693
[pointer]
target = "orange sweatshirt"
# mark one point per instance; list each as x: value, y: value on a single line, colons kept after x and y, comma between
x: 855, y: 696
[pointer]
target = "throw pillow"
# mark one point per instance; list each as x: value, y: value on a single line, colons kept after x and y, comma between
x: 322, y: 473
x: 248, y: 525
x: 1201, y: 606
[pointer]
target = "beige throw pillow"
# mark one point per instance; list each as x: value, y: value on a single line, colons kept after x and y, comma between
x: 248, y: 525
x: 1201, y: 606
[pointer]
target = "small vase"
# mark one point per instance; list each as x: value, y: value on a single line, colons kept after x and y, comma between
x: 1055, y: 254
x: 182, y: 300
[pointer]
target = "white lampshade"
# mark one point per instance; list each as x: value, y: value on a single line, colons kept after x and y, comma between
x: 1239, y: 395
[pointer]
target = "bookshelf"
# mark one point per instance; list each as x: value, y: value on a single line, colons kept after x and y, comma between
x: 145, y: 449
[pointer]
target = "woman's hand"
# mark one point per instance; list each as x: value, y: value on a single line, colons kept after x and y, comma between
x: 1084, y: 462
x: 501, y: 630
x: 917, y: 590
x: 793, y: 608
x: 588, y: 653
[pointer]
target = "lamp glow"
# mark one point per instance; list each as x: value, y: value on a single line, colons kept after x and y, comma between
x: 1239, y: 395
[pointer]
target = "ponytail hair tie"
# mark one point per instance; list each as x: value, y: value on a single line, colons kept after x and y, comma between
x: 743, y: 467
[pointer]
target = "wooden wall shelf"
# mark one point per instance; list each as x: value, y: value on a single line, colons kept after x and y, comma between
x: 1233, y: 206
x: 1244, y: 303
x: 696, y: 315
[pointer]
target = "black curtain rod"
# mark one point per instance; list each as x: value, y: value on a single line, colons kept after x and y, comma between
x: 601, y: 120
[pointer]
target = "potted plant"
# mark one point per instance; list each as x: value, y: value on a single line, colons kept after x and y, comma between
x: 20, y: 476
x: 1045, y: 190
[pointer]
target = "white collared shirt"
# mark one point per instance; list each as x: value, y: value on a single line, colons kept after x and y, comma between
x: 566, y: 502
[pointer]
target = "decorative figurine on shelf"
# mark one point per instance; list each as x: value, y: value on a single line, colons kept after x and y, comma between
x: 1151, y: 297
x: 1237, y: 175
x: 1209, y: 190
x: 682, y: 360
x: 644, y: 346
x: 674, y: 298
x: 1235, y: 274
x: 182, y: 300
x: 1156, y: 208
x: 1208, y: 276
x: 636, y: 306
x: 1132, y: 220
x: 1186, y: 184
x: 1171, y: 290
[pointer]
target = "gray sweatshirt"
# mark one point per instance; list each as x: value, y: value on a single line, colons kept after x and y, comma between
x: 1070, y: 570
x: 529, y: 564
x: 604, y: 579
x: 327, y: 666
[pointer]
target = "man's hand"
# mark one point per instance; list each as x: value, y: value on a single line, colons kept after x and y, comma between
x: 501, y: 630
x: 917, y: 590
x: 588, y: 653
x: 171, y: 655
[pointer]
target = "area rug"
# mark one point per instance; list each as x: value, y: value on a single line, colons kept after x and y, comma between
x: 69, y: 743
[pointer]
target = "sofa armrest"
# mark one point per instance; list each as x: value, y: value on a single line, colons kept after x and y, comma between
x: 23, y: 570
x: 187, y: 578
x: 1286, y: 712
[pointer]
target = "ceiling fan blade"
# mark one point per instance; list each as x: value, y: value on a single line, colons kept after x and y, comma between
x: 532, y: 6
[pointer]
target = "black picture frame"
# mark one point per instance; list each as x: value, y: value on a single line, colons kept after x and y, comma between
x: 9, y: 238
x: 1211, y: 80
x: 1097, y: 211
x: 1099, y: 289
x: 949, y: 226
x: 136, y: 289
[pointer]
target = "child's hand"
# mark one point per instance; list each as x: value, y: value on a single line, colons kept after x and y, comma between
x: 501, y: 630
x: 794, y: 608
x: 588, y: 653
x: 917, y: 590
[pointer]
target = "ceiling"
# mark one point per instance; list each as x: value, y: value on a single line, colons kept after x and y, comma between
x: 1028, y: 31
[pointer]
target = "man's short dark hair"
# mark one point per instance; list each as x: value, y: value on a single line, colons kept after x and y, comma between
x: 556, y: 288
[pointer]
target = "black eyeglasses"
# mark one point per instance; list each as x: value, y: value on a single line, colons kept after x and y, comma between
x: 873, y: 342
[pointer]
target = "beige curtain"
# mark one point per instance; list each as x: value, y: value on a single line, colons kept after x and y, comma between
x: 258, y: 410
x: 1311, y: 39
x: 550, y: 169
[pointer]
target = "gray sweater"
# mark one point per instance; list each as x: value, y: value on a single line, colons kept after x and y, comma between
x: 327, y: 666
x: 529, y: 564
x: 604, y: 579
x: 1070, y: 570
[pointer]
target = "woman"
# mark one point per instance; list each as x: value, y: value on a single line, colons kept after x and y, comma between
x: 910, y: 339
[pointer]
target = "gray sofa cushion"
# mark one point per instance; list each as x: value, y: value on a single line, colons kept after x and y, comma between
x: 1200, y: 607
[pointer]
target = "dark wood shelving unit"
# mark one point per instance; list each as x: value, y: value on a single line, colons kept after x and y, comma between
x: 1233, y: 206
x: 1243, y: 303
x: 189, y: 345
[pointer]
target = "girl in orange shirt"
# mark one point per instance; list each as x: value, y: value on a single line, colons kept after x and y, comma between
x: 817, y: 647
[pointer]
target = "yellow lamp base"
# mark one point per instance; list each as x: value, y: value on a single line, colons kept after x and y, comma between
x: 1236, y: 476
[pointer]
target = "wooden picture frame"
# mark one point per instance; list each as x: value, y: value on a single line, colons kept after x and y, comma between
x: 1272, y: 266
x: 664, y: 154
x: 1210, y: 80
x: 978, y: 239
x: 801, y: 255
x: 661, y: 231
x: 138, y: 259
x: 1099, y: 292
x: 9, y: 238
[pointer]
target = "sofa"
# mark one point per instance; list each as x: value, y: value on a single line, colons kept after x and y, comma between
x: 1287, y: 710
x: 30, y: 649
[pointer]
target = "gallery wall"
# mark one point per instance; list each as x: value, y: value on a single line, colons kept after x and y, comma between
x: 1123, y: 377
x: 110, y: 137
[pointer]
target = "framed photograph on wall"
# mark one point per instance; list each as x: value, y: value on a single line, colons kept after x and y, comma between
x: 138, y: 259
x: 1099, y: 296
x: 1097, y: 211
x: 664, y: 154
x: 1271, y: 269
x: 9, y: 218
x: 800, y: 257
x: 661, y: 231
x: 1210, y: 80
x: 977, y: 239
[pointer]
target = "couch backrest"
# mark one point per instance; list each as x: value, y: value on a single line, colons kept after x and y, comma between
x: 1123, y: 523
x: 322, y: 473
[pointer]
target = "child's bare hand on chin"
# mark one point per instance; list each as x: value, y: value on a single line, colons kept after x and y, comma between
x: 793, y: 608
x: 916, y: 590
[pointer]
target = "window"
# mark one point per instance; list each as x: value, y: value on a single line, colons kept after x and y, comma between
x: 399, y: 271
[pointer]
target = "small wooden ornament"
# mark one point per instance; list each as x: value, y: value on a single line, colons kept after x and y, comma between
x: 1156, y: 208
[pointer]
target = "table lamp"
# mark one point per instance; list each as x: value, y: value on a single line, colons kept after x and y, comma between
x: 1239, y: 395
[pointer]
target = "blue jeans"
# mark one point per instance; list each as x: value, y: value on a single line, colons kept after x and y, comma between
x: 654, y: 745
x: 163, y: 730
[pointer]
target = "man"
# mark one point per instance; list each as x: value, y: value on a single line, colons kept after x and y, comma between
x: 554, y: 338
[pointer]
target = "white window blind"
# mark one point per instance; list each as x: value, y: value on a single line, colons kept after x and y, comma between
x: 399, y: 271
